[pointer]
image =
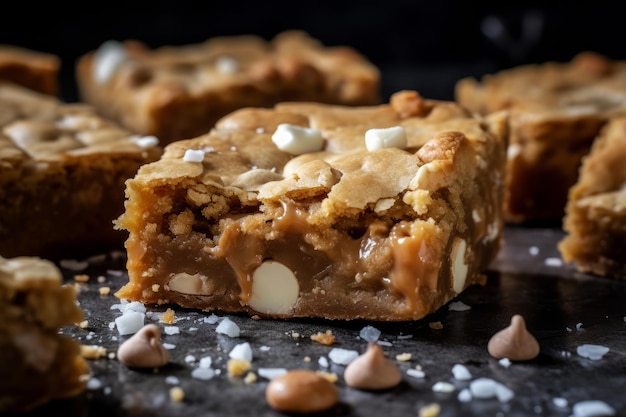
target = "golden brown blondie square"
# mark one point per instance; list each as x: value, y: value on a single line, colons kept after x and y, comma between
x: 556, y: 112
x: 178, y: 92
x: 595, y: 219
x: 32, y: 69
x: 62, y: 173
x: 380, y: 212
x: 37, y: 364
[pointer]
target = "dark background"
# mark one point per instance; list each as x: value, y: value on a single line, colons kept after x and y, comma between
x: 423, y: 45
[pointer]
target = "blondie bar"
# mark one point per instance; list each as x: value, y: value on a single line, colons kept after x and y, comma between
x: 595, y: 219
x: 380, y: 212
x: 32, y: 69
x: 37, y: 363
x: 62, y: 173
x: 556, y: 112
x: 178, y: 92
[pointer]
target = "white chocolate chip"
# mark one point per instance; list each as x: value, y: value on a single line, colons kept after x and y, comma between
x: 513, y: 151
x: 187, y: 284
x: 275, y: 288
x: 145, y: 141
x: 193, y: 155
x: 226, y: 65
x: 107, y: 60
x: 459, y: 267
x: 297, y: 140
x: 391, y: 137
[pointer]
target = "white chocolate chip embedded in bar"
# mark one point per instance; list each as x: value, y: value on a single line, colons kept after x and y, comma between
x: 297, y: 140
x: 109, y: 57
x: 391, y: 137
x: 194, y: 155
x: 459, y: 266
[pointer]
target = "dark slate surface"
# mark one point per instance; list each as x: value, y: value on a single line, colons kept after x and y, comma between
x: 562, y: 308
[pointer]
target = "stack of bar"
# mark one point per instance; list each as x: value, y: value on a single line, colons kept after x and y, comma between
x: 384, y: 212
x: 179, y: 92
x: 62, y: 173
x: 556, y: 112
x: 596, y: 211
x: 37, y: 363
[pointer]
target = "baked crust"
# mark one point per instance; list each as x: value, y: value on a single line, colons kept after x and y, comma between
x: 178, y: 92
x: 32, y: 69
x: 37, y: 364
x: 62, y: 173
x: 556, y: 112
x: 392, y: 234
x: 595, y: 219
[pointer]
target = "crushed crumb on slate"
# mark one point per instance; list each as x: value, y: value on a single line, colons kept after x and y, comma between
x: 228, y: 327
x: 242, y: 351
x: 458, y: 306
x: 592, y: 408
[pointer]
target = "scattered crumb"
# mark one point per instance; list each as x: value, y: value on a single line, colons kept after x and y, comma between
x: 111, y: 355
x: 553, y: 262
x: 307, y: 359
x: 403, y: 357
x: 415, y: 373
x: 168, y: 316
x: 104, y: 290
x: 92, y: 351
x: 101, y: 279
x: 435, y: 325
x: 256, y: 317
x: 155, y: 287
x: 327, y: 338
x: 331, y: 376
x: 458, y: 306
x: 177, y: 394
x: 250, y: 378
x: 83, y: 324
x: 81, y: 278
x: 431, y: 410
x: 237, y: 367
x: 295, y: 335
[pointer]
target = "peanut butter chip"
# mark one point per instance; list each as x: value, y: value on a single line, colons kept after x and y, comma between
x: 372, y: 370
x: 301, y: 391
x: 144, y: 349
x: 514, y: 342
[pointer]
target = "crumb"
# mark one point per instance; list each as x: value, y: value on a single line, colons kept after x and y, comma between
x: 83, y: 324
x: 111, y: 355
x: 237, y: 367
x: 168, y: 316
x: 327, y: 338
x: 403, y: 357
x: 155, y: 287
x: 92, y: 351
x: 307, y: 359
x: 104, y: 290
x: 250, y: 378
x: 331, y: 376
x: 436, y: 325
x: 101, y: 279
x: 81, y: 278
x: 256, y: 317
x: 431, y: 410
x: 177, y: 394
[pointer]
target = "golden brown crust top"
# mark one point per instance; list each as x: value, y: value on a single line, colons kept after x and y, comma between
x: 32, y: 69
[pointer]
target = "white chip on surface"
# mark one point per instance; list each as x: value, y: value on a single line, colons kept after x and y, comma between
x: 170, y: 330
x: 203, y: 373
x: 107, y: 59
x: 553, y: 262
x: 205, y: 362
x: 505, y: 362
x: 228, y: 327
x: 271, y: 373
x: 483, y: 388
x: 342, y: 356
x: 559, y: 402
x: 458, y: 306
x: 504, y: 393
x: 391, y: 137
x: 461, y: 372
x: 297, y: 140
x: 415, y: 373
x: 323, y: 362
x: 464, y: 396
x: 193, y: 155
x: 369, y: 334
x: 242, y: 352
x: 443, y: 387
x: 592, y: 408
x: 172, y: 380
x: 593, y: 352
x: 130, y: 322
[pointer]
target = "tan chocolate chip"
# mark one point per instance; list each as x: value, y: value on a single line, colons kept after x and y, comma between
x: 514, y: 342
x: 144, y: 349
x: 372, y: 370
x: 301, y: 391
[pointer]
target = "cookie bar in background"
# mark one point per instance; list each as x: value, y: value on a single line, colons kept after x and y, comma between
x: 556, y: 112
x: 178, y: 92
x: 37, y: 363
x: 62, y: 173
x: 595, y: 219
x: 32, y: 69
x: 380, y: 212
